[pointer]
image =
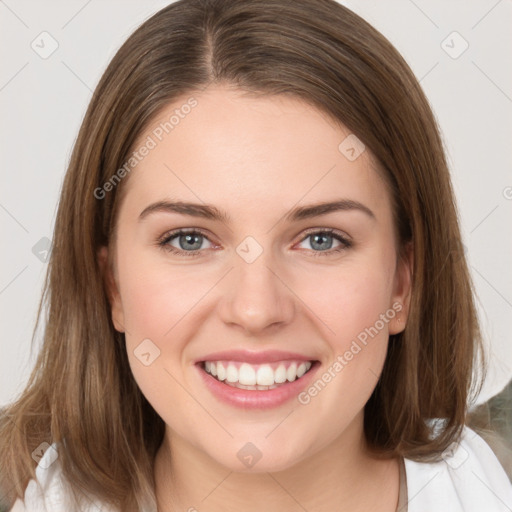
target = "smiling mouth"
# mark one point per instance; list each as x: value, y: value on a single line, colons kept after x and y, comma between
x: 256, y: 377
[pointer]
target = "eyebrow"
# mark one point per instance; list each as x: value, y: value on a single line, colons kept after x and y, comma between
x: 211, y: 212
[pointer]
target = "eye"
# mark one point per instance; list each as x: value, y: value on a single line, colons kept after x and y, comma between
x: 188, y: 242
x: 321, y: 241
x: 183, y: 242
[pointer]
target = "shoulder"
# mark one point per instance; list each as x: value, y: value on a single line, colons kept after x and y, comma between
x: 469, y: 478
x: 49, y: 492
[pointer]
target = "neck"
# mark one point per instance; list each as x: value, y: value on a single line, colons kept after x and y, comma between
x: 342, y: 476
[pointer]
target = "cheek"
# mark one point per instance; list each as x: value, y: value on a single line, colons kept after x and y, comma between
x: 155, y: 309
x: 349, y: 299
x: 160, y: 305
x: 156, y: 297
x: 355, y: 307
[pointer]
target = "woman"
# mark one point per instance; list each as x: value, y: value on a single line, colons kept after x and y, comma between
x: 257, y: 294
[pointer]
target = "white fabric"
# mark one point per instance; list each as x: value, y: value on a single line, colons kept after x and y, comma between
x: 468, y: 479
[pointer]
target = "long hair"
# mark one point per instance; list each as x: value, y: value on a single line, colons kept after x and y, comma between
x: 82, y: 393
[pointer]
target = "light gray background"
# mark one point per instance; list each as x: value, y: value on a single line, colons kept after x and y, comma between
x: 42, y: 102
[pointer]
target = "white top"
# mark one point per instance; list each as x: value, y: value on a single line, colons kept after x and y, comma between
x: 468, y: 479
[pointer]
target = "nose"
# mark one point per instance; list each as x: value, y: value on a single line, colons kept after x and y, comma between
x: 256, y: 298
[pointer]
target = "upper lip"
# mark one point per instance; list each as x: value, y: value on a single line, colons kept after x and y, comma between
x: 266, y: 356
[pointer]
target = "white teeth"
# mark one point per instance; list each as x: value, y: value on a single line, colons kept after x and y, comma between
x: 249, y: 376
x: 280, y: 374
x: 221, y: 372
x: 232, y: 373
x: 265, y: 376
x: 291, y: 373
x: 253, y: 388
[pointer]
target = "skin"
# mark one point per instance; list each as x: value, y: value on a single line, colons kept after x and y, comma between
x: 263, y: 156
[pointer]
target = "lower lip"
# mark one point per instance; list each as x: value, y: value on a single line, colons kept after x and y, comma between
x: 257, y: 399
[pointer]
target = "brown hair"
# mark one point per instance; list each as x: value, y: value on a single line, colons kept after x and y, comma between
x: 82, y: 392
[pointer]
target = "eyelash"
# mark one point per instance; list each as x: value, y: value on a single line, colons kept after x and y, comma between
x: 167, y: 237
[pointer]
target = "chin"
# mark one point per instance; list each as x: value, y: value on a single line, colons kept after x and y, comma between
x: 250, y: 457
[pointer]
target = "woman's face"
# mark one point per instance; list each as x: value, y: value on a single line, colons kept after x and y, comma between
x: 266, y: 287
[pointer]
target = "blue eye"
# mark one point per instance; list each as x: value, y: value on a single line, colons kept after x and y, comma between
x: 322, y: 240
x: 190, y: 242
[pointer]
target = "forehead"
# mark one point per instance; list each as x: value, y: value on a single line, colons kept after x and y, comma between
x: 250, y: 154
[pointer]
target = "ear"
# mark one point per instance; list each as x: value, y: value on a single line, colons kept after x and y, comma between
x: 401, y: 298
x: 112, y: 289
